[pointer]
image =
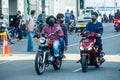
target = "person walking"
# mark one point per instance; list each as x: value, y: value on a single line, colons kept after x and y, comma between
x: 30, y: 22
x: 19, y: 24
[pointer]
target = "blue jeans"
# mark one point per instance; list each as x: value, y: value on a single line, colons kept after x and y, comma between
x: 55, y: 45
x: 8, y: 35
x: 62, y: 42
x: 30, y: 41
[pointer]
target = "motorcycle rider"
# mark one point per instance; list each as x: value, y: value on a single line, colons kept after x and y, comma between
x: 64, y: 40
x: 50, y: 28
x: 117, y: 14
x: 96, y: 27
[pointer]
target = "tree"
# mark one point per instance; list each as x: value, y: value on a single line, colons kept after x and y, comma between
x: 28, y: 8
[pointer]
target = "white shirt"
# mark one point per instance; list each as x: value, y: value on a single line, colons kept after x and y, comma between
x: 5, y: 21
x: 31, y: 22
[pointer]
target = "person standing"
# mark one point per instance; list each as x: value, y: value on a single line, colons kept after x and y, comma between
x: 41, y: 17
x: 19, y: 24
x: 30, y: 22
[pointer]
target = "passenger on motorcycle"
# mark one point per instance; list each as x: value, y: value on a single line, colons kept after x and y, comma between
x: 6, y: 23
x: 50, y: 28
x: 97, y: 27
x: 63, y: 40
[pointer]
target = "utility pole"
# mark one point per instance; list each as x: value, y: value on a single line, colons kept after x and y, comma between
x: 43, y: 5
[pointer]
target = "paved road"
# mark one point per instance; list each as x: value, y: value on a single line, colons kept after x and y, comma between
x: 20, y: 66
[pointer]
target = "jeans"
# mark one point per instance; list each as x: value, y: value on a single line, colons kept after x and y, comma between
x: 30, y: 41
x: 62, y: 42
x: 8, y: 35
x: 55, y: 45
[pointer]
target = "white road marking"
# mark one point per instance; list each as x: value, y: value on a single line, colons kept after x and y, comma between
x: 77, y: 70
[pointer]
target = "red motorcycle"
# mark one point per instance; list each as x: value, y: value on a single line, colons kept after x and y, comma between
x: 117, y: 24
x: 89, y: 51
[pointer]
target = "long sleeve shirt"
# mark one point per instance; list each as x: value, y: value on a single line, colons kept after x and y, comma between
x: 64, y: 28
x: 97, y: 28
x: 51, y: 29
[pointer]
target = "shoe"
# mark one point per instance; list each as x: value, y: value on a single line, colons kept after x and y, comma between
x: 78, y: 61
x: 63, y: 56
x: 31, y: 51
x: 11, y: 43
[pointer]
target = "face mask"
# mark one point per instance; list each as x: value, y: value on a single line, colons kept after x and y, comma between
x: 51, y: 23
x: 1, y: 17
x: 93, y: 19
x: 61, y: 21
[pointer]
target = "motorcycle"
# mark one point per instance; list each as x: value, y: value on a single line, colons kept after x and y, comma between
x: 117, y: 24
x: 45, y: 55
x: 89, y: 51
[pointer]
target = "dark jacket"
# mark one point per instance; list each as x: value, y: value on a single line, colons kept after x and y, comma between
x: 64, y: 28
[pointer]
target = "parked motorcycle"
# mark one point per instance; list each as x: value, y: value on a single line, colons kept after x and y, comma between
x: 89, y: 51
x: 117, y: 24
x: 45, y: 55
x: 38, y: 28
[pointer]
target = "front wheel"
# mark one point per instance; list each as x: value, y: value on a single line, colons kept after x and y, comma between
x: 39, y: 64
x: 84, y: 63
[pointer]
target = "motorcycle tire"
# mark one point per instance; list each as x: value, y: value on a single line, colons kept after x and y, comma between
x: 84, y: 63
x: 39, y: 65
x: 57, y: 66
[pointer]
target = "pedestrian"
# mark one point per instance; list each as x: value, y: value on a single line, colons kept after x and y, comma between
x: 41, y: 17
x: 67, y: 17
x: 72, y: 16
x: 19, y: 24
x: 4, y: 21
x: 64, y: 39
x: 30, y: 22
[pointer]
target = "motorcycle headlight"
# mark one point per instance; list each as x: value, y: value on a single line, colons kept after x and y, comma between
x: 42, y: 40
x: 81, y: 48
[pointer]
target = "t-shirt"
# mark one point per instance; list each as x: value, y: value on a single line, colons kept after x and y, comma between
x: 31, y: 22
x: 18, y: 20
x: 5, y: 21
x: 40, y: 17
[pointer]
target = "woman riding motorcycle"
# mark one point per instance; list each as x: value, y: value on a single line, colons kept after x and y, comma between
x: 50, y: 28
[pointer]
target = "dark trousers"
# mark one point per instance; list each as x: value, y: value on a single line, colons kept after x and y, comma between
x: 19, y: 33
x: 99, y: 44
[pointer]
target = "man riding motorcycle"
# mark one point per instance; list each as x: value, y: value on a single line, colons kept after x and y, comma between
x: 96, y: 27
x: 50, y: 28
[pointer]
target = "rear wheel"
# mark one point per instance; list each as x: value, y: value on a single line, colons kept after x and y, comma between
x: 84, y: 62
x: 56, y: 65
x: 39, y: 64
